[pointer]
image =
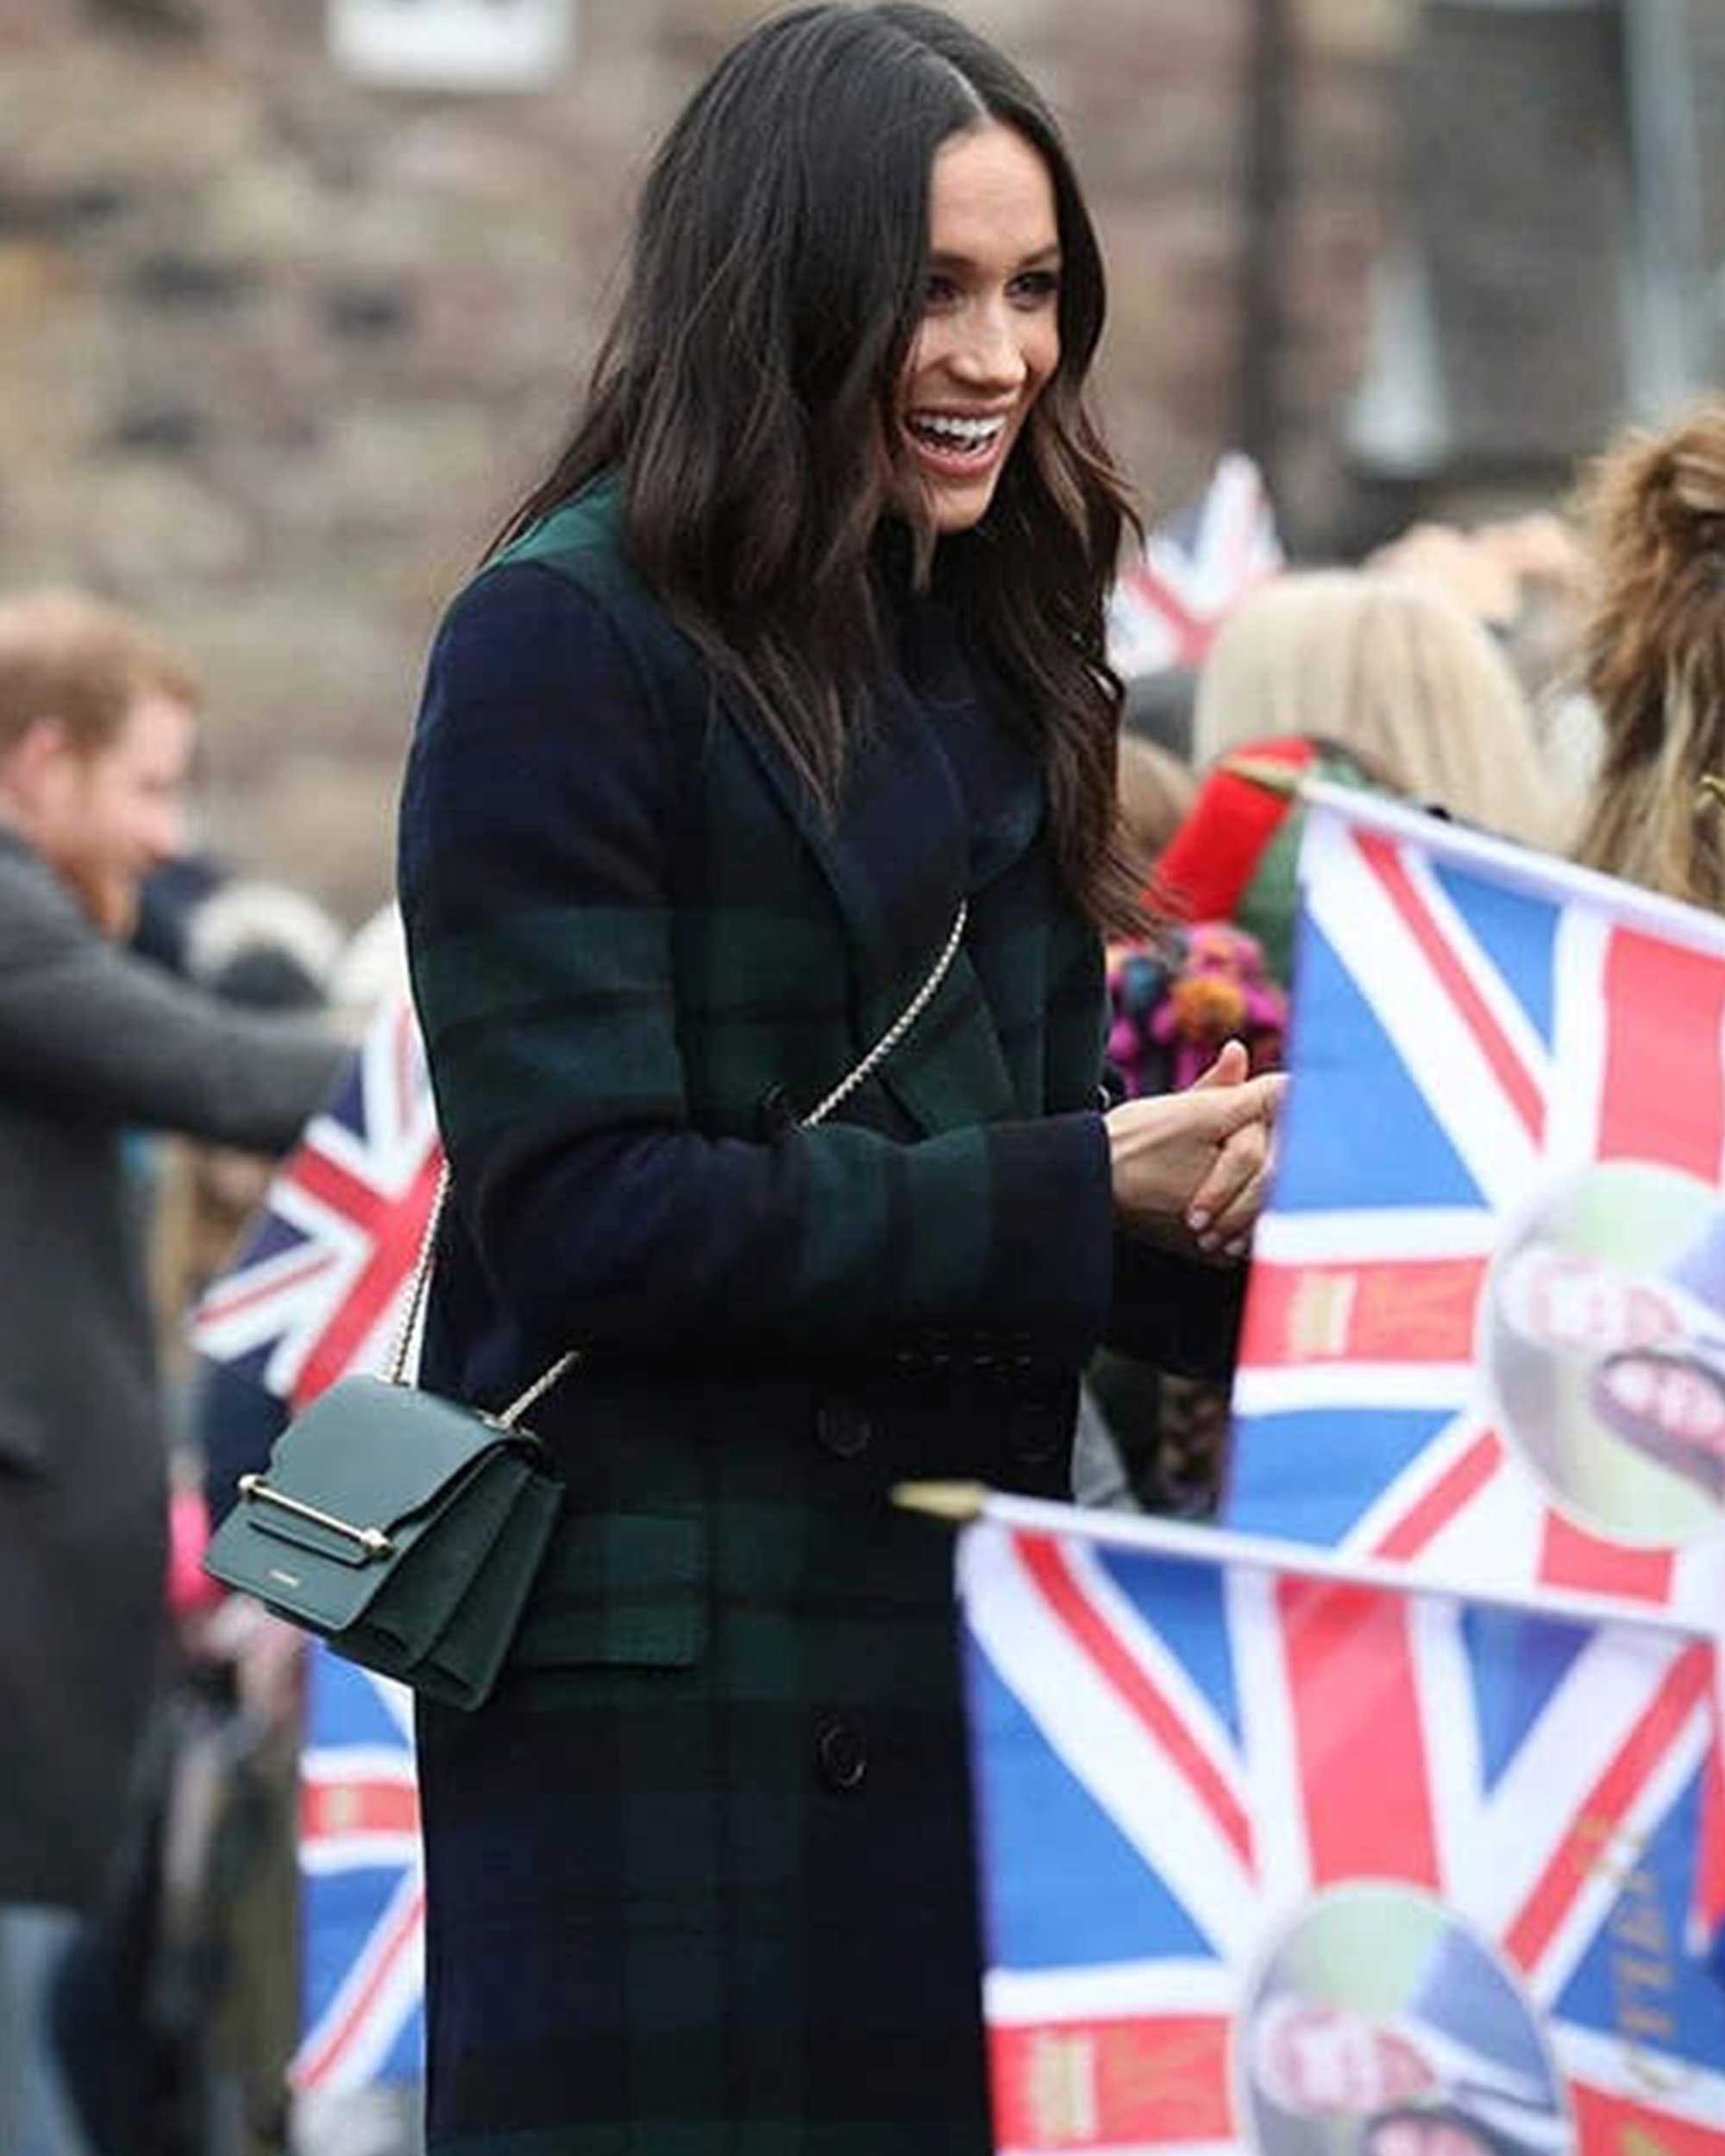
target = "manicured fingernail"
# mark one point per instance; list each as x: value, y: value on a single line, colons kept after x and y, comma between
x: 1238, y: 1247
x: 1208, y: 1242
x: 1197, y: 1222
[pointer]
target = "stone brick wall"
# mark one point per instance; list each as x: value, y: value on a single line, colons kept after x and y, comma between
x: 277, y: 351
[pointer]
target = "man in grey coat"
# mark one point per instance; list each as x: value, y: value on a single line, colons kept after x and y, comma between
x: 97, y: 729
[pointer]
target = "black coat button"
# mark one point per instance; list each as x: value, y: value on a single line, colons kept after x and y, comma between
x: 842, y: 1428
x: 775, y: 1114
x: 841, y: 1758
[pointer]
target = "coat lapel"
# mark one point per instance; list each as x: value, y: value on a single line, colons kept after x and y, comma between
x: 895, y: 860
x: 863, y: 897
x: 949, y: 1070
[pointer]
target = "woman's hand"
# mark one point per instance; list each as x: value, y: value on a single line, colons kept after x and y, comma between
x: 1198, y: 1160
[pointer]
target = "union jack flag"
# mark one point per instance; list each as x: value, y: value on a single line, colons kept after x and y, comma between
x: 1483, y: 1328
x: 319, y: 1290
x: 1168, y: 604
x: 363, y: 1884
x: 1271, y: 1856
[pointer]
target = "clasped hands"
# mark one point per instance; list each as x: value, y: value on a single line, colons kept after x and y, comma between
x: 1193, y: 1167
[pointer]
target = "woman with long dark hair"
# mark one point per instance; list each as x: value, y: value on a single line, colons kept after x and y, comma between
x: 776, y: 743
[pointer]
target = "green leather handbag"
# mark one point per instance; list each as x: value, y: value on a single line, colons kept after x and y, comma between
x: 408, y: 1530
x: 404, y: 1530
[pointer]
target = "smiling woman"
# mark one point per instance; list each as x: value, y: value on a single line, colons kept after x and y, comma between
x: 766, y: 769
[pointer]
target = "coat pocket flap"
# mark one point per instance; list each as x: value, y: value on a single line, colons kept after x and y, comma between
x: 617, y: 1589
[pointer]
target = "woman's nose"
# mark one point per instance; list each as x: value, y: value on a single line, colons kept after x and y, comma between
x: 987, y: 354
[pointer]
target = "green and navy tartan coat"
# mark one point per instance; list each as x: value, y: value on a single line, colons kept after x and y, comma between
x: 700, y: 1877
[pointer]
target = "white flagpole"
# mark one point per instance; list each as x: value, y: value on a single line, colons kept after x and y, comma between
x: 964, y: 1503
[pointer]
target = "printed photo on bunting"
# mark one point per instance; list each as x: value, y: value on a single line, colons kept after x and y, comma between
x: 1286, y: 1855
x: 1484, y: 1334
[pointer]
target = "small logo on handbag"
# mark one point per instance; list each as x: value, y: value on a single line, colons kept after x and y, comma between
x: 287, y: 1579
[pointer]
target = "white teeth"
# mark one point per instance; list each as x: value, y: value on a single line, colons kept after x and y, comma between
x: 970, y: 434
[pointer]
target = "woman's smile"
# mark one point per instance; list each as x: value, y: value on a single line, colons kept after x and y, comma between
x: 953, y: 445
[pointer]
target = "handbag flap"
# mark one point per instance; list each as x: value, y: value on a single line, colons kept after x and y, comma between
x: 376, y: 1456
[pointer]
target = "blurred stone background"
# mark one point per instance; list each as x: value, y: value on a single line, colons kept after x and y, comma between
x: 278, y: 349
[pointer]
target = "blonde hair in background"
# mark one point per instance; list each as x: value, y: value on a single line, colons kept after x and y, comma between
x: 1655, y: 657
x: 1401, y: 676
x: 78, y: 660
x: 1155, y: 790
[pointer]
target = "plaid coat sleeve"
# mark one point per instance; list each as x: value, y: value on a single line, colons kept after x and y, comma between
x: 546, y: 870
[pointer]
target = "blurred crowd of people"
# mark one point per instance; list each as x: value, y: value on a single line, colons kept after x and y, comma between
x: 1554, y: 678
x: 168, y: 1023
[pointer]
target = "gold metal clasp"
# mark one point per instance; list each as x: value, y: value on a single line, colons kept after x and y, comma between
x: 373, y: 1540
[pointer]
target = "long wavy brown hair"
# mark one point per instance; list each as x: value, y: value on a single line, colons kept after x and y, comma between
x: 746, y: 394
x: 1655, y: 657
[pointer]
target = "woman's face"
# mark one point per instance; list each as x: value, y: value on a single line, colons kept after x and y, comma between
x: 990, y: 333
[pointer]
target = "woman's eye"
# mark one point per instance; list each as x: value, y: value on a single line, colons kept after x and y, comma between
x: 1037, y: 286
x: 939, y: 290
